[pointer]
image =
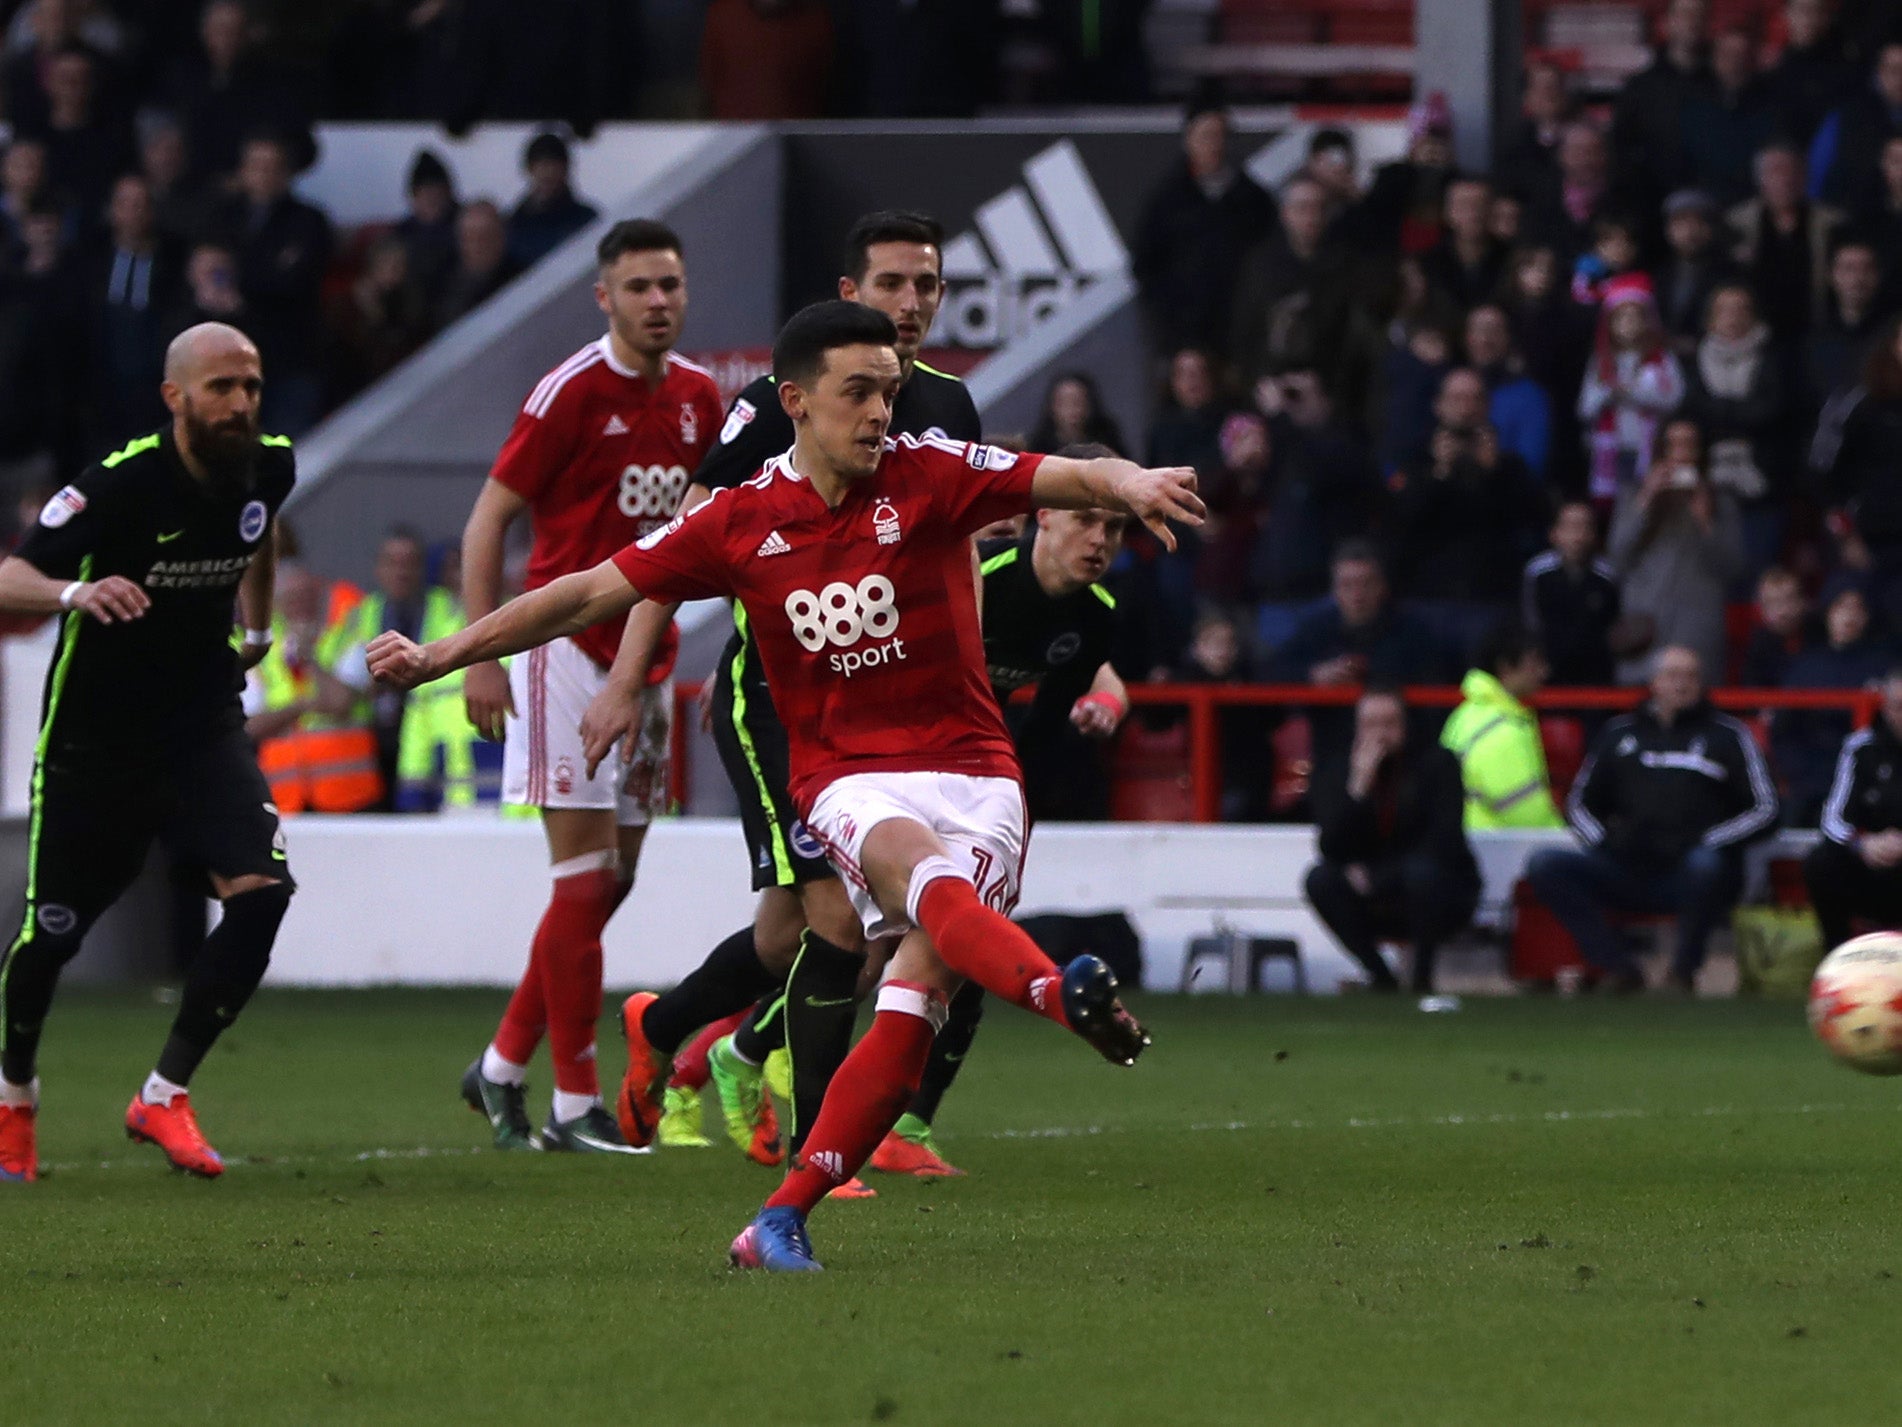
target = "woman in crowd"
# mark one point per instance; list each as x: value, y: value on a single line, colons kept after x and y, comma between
x: 1073, y: 415
x: 1676, y: 545
x: 1734, y: 391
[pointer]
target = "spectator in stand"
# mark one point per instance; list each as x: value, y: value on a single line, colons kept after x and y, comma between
x: 1562, y: 216
x: 1394, y: 856
x: 1804, y: 742
x: 228, y: 91
x: 1838, y: 345
x: 1073, y: 415
x: 211, y: 293
x: 283, y: 247
x: 1529, y: 164
x: 182, y: 206
x: 1192, y: 233
x: 37, y: 372
x: 1783, y: 243
x: 548, y: 213
x: 1677, y: 547
x: 1240, y: 494
x: 1463, y: 516
x: 132, y: 281
x: 1734, y: 391
x: 1612, y: 255
x: 766, y: 59
x: 1647, y: 124
x: 1631, y: 383
x: 1214, y: 656
x: 24, y: 190
x: 1357, y: 636
x: 380, y: 321
x: 1570, y: 600
x: 1846, y: 153
x: 1881, y: 218
x: 1495, y: 734
x: 1401, y: 211
x: 428, y: 230
x: 1516, y: 406
x: 1415, y: 363
x: 85, y: 147
x: 1320, y: 486
x: 1855, y: 871
x: 1552, y: 336
x: 1667, y: 799
x: 1188, y: 429
x: 1506, y: 220
x: 483, y: 266
x: 1465, y: 266
x: 1854, y: 460
x: 1694, y: 268
x: 1727, y: 122
x: 39, y: 30
x: 1291, y: 300
x: 1812, y: 74
x: 1782, y: 630
x: 1332, y: 164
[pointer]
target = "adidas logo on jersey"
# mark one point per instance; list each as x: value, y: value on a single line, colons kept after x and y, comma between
x: 615, y: 426
x: 774, y: 544
x: 1036, y: 248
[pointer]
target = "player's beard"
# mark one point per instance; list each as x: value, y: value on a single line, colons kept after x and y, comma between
x: 228, y: 450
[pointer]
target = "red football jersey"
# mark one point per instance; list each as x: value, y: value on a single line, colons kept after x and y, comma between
x: 864, y: 614
x: 602, y: 458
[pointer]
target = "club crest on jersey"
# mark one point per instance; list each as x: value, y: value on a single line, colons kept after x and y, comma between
x: 885, y: 522
x: 804, y: 843
x: 252, y: 520
x: 64, y: 505
x: 689, y: 426
x: 737, y: 420
x: 1064, y: 647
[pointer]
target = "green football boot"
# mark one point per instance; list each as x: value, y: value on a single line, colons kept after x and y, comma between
x: 750, y: 1121
x: 680, y: 1120
x: 504, y: 1106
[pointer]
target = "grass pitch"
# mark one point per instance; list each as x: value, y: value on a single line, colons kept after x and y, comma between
x: 1291, y: 1212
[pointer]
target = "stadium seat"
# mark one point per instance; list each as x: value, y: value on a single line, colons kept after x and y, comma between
x: 1149, y: 775
x: 1563, y: 738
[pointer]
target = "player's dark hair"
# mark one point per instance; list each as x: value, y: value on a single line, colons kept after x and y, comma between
x: 1086, y: 451
x: 636, y: 235
x: 888, y: 225
x: 799, y: 354
x: 1504, y: 646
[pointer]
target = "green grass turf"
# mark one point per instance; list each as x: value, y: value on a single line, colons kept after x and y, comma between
x: 1291, y: 1212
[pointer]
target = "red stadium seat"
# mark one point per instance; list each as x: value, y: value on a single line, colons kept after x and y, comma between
x: 1149, y: 775
x: 1564, y: 740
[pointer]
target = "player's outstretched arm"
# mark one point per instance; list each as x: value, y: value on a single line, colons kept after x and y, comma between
x: 1155, y: 497
x: 565, y: 606
x: 25, y: 590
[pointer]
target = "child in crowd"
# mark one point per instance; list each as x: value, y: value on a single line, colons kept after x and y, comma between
x: 1632, y: 382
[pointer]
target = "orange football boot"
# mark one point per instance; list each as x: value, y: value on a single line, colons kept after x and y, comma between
x: 174, y: 1129
x: 637, y: 1108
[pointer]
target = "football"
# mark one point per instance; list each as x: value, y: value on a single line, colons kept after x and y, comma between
x: 1856, y: 1003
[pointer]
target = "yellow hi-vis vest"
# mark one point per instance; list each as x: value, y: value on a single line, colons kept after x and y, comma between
x: 1502, y: 762
x: 319, y: 766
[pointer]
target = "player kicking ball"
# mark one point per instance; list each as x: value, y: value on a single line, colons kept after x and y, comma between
x: 850, y: 556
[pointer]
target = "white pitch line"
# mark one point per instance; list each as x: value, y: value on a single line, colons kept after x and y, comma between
x: 1071, y: 1132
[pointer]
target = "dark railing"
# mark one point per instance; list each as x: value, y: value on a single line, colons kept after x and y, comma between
x: 1204, y: 702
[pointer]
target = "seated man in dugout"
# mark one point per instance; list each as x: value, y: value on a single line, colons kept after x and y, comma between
x: 1394, y: 859
x: 1855, y: 872
x: 1668, y: 797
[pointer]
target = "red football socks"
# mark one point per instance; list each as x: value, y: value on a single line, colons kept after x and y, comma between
x: 987, y: 947
x: 867, y: 1095
x: 690, y: 1064
x: 568, y: 946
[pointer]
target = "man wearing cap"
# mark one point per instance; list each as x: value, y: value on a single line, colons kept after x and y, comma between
x: 1694, y: 267
x: 549, y: 211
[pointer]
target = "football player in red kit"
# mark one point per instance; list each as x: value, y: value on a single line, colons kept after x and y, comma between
x: 600, y: 455
x: 850, y: 555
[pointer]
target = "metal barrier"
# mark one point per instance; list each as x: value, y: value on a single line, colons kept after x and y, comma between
x: 1204, y: 702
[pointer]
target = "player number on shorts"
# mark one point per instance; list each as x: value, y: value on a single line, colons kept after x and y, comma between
x: 841, y: 614
x: 650, y: 491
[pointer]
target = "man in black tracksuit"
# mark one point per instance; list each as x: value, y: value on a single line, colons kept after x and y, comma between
x: 1856, y: 870
x: 1668, y: 796
x: 1395, y: 862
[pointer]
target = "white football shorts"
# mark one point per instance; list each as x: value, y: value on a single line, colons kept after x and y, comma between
x: 981, y: 821
x: 543, y: 765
